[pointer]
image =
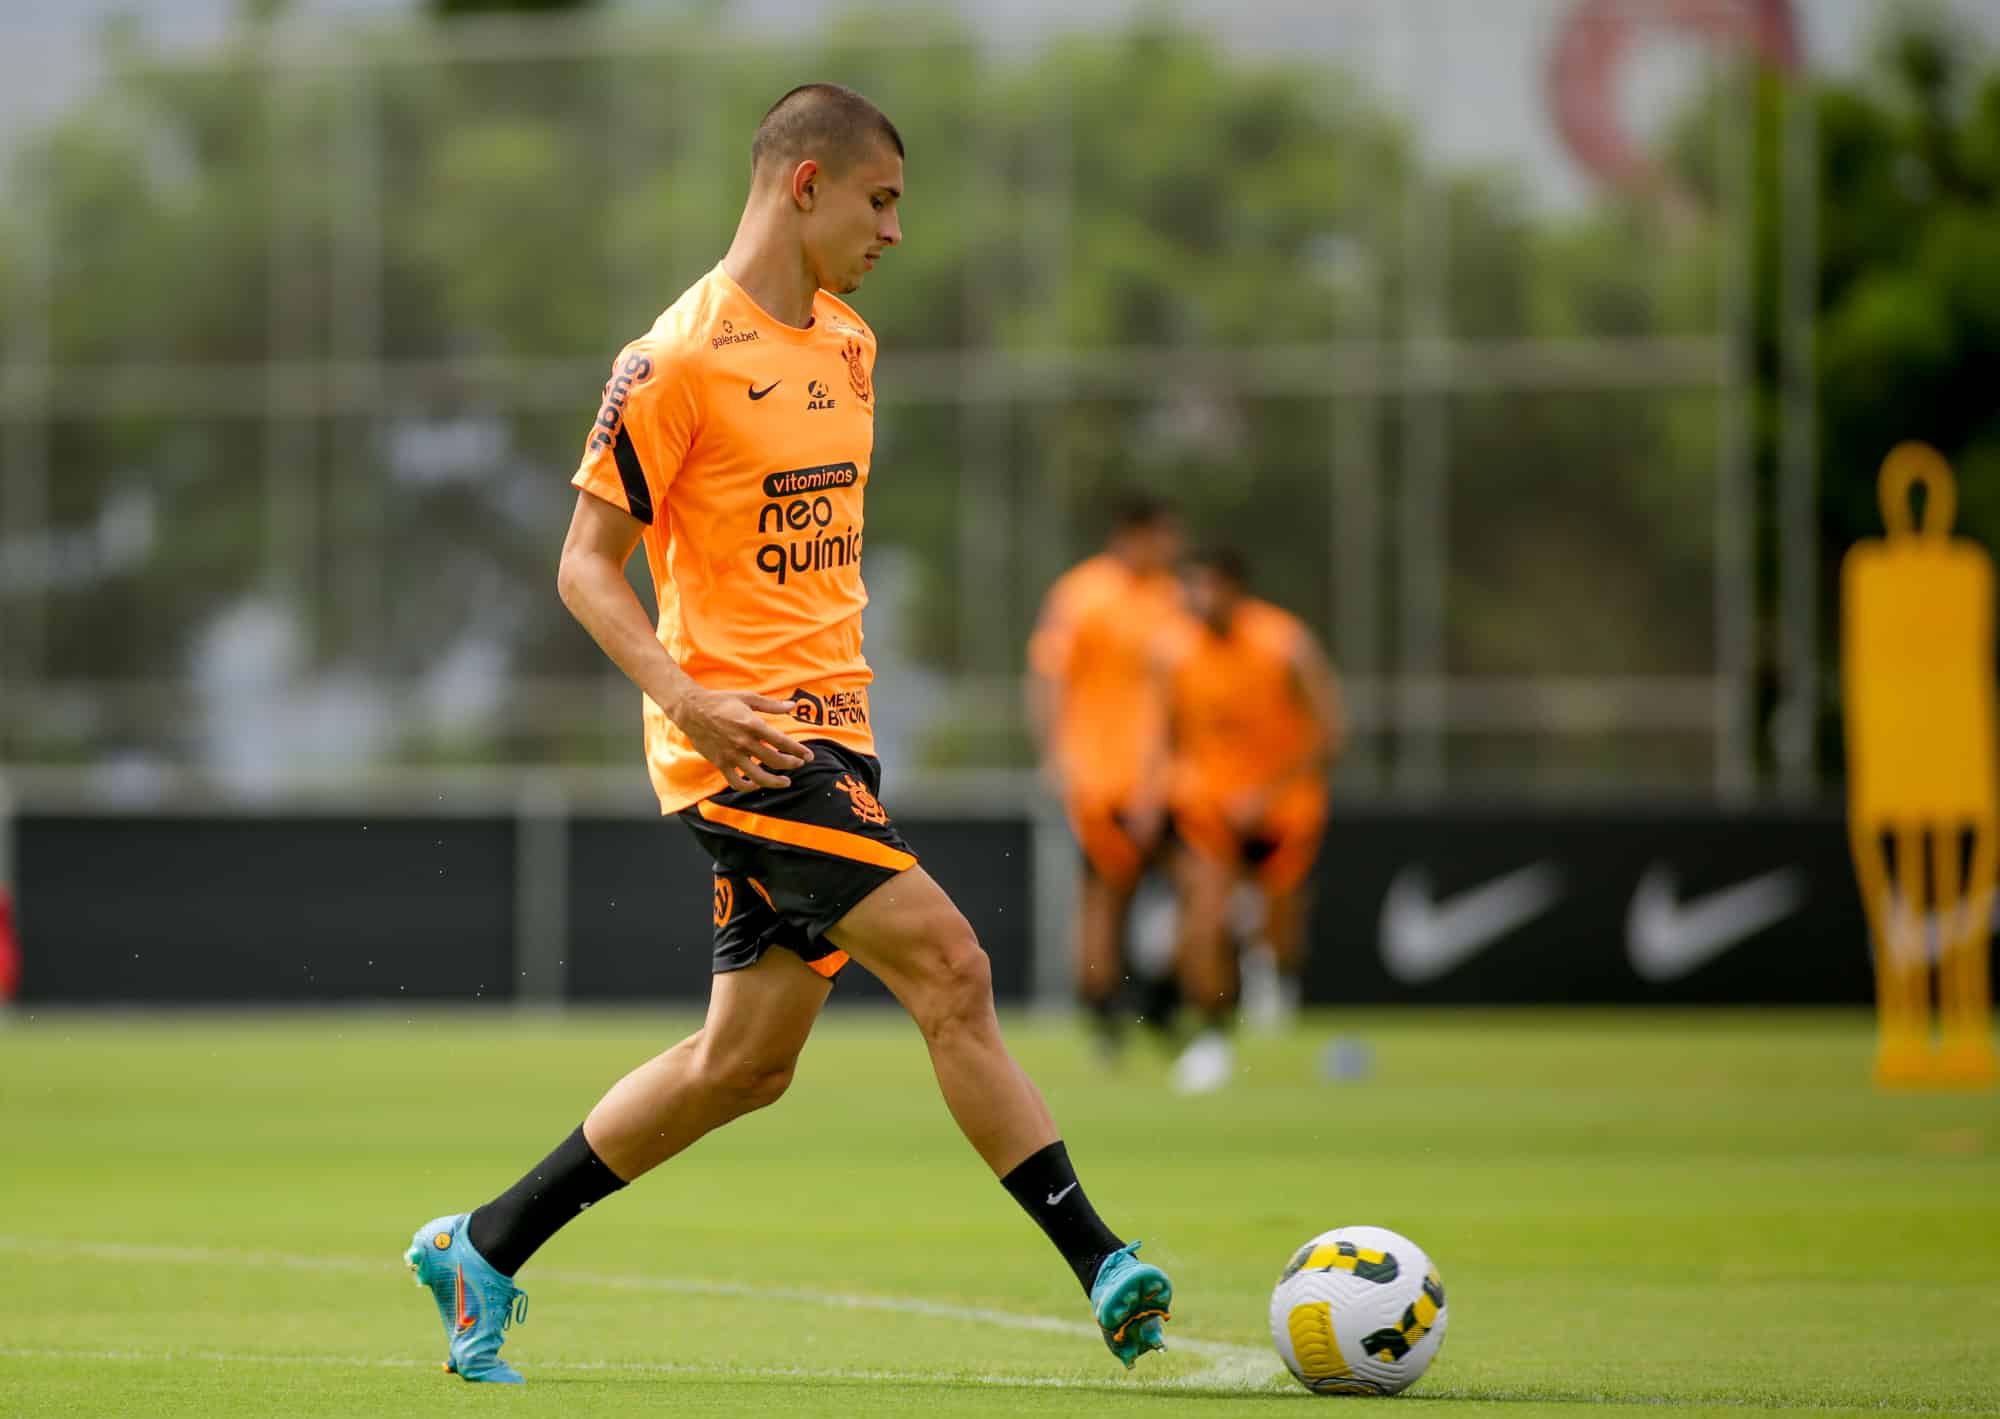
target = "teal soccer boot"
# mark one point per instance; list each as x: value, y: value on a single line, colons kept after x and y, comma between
x: 475, y: 1302
x: 1130, y: 1300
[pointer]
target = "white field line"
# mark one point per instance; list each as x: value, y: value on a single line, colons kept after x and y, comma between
x: 1230, y: 1365
x: 617, y: 1367
x: 1214, y: 1379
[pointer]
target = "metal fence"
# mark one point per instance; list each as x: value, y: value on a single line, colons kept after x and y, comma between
x: 302, y: 336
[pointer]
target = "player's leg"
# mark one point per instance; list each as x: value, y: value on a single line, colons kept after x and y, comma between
x: 740, y: 1060
x: 1286, y: 908
x: 1284, y: 878
x: 910, y: 935
x: 1206, y: 872
x: 1111, y: 872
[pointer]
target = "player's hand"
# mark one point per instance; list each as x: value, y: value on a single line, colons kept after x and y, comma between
x: 728, y: 728
x: 1247, y: 814
x: 1146, y: 819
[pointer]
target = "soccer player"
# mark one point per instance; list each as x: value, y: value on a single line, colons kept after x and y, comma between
x: 1255, y: 725
x: 1102, y: 724
x: 734, y: 441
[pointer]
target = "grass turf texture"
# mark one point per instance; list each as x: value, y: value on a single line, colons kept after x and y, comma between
x: 1695, y: 1212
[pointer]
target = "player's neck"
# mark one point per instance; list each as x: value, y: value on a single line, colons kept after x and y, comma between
x: 772, y: 271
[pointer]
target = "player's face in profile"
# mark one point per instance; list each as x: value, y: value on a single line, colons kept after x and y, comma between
x: 1156, y: 548
x: 1211, y: 596
x: 855, y: 220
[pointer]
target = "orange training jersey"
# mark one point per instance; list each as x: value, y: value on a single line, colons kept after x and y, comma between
x: 1239, y: 725
x: 1095, y: 640
x: 743, y: 444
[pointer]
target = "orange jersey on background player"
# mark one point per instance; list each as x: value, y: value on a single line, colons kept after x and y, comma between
x: 1241, y: 729
x: 744, y: 445
x: 1095, y: 640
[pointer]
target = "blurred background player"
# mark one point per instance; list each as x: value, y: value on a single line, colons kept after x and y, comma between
x: 1255, y: 724
x: 1097, y: 712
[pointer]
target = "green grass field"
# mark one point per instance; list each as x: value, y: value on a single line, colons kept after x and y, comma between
x: 1691, y: 1212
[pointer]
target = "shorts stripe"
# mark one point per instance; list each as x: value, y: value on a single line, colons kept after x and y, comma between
x: 831, y: 841
x: 829, y: 965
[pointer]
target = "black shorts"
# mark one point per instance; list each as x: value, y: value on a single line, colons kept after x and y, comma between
x: 790, y: 862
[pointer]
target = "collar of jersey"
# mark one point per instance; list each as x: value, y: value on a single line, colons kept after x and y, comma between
x: 778, y: 329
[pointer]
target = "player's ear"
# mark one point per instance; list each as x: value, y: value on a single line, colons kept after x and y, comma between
x: 806, y: 178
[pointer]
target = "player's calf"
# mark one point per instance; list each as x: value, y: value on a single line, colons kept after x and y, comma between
x: 910, y: 935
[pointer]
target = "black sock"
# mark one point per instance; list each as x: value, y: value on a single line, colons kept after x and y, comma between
x: 1104, y: 1017
x: 1160, y: 1004
x: 1046, y: 1187
x: 512, y: 1227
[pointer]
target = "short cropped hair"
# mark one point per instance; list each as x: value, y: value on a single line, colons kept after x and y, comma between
x: 1140, y: 512
x: 826, y: 122
x: 1225, y: 562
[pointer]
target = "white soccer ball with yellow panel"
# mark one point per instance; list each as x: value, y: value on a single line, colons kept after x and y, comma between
x: 1359, y: 1310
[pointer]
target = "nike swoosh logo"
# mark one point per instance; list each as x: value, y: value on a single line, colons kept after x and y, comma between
x: 1055, y: 1197
x: 756, y: 393
x: 1667, y: 938
x: 1424, y: 938
x: 466, y: 1320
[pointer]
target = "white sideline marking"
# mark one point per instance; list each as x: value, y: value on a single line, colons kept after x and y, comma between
x: 721, y: 1372
x: 1232, y: 1365
x: 1204, y: 1381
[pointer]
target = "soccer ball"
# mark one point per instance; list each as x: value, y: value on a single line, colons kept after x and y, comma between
x: 1359, y: 1310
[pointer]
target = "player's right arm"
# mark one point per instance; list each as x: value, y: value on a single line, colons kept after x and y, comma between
x: 727, y: 728
x: 1048, y: 665
x: 630, y: 460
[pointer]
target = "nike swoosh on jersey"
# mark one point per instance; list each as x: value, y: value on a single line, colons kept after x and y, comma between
x: 1666, y: 938
x: 1424, y: 937
x: 756, y: 393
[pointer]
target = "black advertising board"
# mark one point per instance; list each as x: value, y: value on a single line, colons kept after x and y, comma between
x: 1479, y: 907
x: 231, y: 910
x: 1473, y: 906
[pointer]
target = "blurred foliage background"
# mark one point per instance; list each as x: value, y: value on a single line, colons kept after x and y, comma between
x: 305, y: 345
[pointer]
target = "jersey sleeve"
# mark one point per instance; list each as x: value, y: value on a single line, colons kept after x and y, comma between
x: 1171, y: 644
x: 641, y: 435
x: 1291, y: 639
x: 1055, y: 631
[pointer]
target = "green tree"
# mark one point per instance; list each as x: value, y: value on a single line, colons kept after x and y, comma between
x: 448, y: 9
x: 542, y: 210
x: 1908, y: 318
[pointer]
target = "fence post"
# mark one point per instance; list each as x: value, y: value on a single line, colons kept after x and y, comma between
x: 541, y: 893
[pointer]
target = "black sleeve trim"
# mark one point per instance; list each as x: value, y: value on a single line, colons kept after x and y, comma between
x: 637, y: 493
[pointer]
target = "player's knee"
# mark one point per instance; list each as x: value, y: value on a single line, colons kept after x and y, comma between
x: 958, y: 984
x: 763, y: 1085
x: 748, y: 1082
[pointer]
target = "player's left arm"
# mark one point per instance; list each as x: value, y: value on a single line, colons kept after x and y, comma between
x: 1314, y: 686
x: 1318, y: 689
x: 1150, y: 805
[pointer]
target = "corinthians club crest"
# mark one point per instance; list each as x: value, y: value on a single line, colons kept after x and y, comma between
x: 857, y: 370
